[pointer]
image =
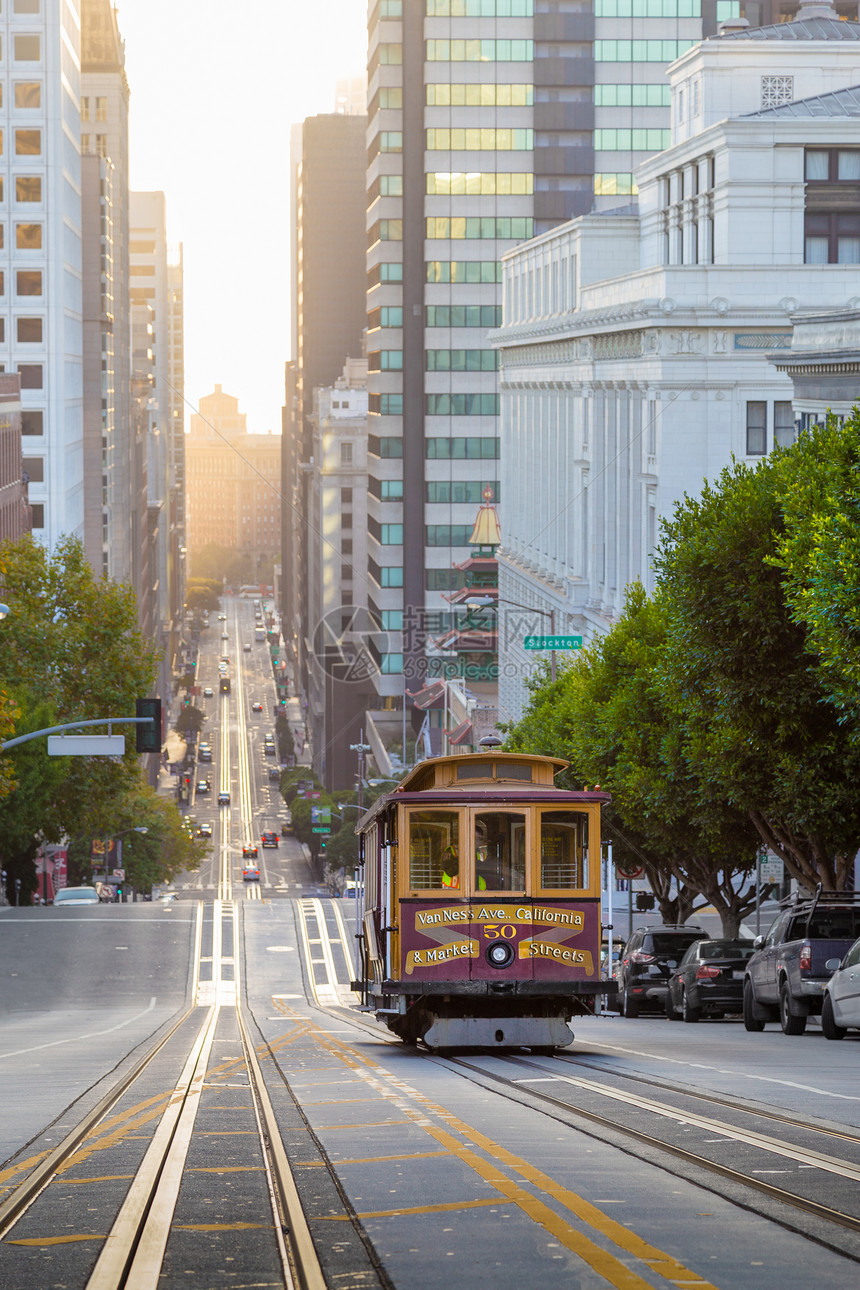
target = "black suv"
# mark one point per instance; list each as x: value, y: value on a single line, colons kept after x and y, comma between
x: 649, y: 959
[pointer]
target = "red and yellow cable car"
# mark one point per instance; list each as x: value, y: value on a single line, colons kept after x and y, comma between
x: 480, y: 903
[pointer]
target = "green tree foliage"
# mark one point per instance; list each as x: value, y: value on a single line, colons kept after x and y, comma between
x: 202, y: 593
x: 8, y: 715
x: 609, y: 714
x: 765, y: 737
x: 71, y: 650
x: 818, y: 550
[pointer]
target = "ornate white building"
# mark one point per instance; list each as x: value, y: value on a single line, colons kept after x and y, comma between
x: 634, y: 345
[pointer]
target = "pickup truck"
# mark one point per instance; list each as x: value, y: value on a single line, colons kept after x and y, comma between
x: 786, y: 976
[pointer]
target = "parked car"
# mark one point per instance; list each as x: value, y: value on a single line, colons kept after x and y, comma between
x: 840, y: 1009
x: 76, y: 896
x: 204, y: 752
x: 649, y: 958
x: 788, y: 973
x: 208, y: 692
x: 225, y: 636
x: 269, y: 838
x: 250, y: 875
x: 247, y: 647
x: 709, y: 980
x: 203, y: 786
x: 286, y: 826
x: 274, y: 773
x: 269, y: 748
x: 223, y: 799
x: 256, y: 707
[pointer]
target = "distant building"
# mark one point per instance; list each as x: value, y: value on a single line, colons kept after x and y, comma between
x: 634, y: 351
x: 41, y: 304
x: 823, y: 363
x: 339, y: 685
x: 327, y: 177
x: 108, y: 426
x: 14, y: 511
x: 232, y: 482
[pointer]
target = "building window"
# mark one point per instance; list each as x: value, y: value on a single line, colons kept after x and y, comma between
x: 483, y: 316
x: 29, y: 331
x: 346, y: 520
x: 461, y: 405
x: 391, y: 664
x: 776, y: 90
x: 455, y: 271
x: 35, y: 468
x: 28, y: 237
x: 615, y: 185
x: 28, y: 49
x: 31, y: 375
x: 470, y: 448
x: 346, y: 497
x: 447, y: 534
x: 461, y: 360
x: 391, y: 534
x: 28, y: 95
x: 390, y: 96
x: 480, y: 8
x: 391, y: 141
x: 346, y: 546
x: 391, y: 490
x: 444, y: 579
x: 28, y: 282
x: 832, y: 239
x: 631, y: 95
x: 346, y: 454
x: 631, y: 140
x: 640, y: 51
x: 385, y: 316
x: 756, y: 428
x: 784, y: 428
x: 467, y: 183
x: 32, y: 422
x: 28, y: 143
x: 647, y: 8
x: 390, y: 576
x: 498, y: 228
x: 101, y: 145
x: 486, y: 51
x: 27, y: 6
x: 470, y: 491
x: 482, y: 95
x: 37, y: 512
x: 85, y: 108
x: 475, y: 139
x: 101, y: 109
x: 28, y: 188
x: 387, y: 446
x: 386, y: 405
x: 385, y: 360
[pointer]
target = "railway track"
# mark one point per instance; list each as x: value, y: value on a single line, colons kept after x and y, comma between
x: 181, y: 1153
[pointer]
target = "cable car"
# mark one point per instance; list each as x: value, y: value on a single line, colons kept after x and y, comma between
x: 479, y: 905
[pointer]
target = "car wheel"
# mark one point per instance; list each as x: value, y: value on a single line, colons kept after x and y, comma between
x: 828, y: 1021
x: 631, y: 1005
x: 791, y: 1025
x: 751, y: 1021
x: 688, y: 1012
x: 671, y: 1010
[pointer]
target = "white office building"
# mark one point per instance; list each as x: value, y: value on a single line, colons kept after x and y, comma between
x: 634, y: 346
x: 40, y: 283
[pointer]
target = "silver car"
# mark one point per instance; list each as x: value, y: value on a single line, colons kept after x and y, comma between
x: 76, y: 896
x: 840, y: 1009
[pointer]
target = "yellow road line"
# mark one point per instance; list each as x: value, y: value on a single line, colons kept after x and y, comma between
x: 446, y: 1208
x: 55, y: 1240
x: 604, y: 1263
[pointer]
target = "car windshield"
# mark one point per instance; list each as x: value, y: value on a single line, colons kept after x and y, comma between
x: 670, y: 944
x: 726, y: 949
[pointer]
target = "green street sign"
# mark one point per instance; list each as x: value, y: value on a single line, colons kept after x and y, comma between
x: 552, y: 642
x: 320, y: 828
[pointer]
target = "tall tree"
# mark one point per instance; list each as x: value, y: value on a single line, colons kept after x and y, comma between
x: 764, y: 735
x: 71, y: 650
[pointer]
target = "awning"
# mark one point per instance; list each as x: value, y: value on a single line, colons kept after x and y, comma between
x: 462, y: 734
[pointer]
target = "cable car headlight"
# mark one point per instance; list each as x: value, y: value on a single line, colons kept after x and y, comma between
x: 500, y: 954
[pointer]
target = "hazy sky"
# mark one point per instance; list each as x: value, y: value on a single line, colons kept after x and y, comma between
x: 215, y: 86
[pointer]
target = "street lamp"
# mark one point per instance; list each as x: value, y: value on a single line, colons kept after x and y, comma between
x: 482, y: 602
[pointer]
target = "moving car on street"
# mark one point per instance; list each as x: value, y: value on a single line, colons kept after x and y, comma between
x: 249, y: 851
x: 269, y: 838
x: 223, y: 798
x: 251, y: 875
x: 76, y: 896
x: 256, y: 707
x: 203, y: 786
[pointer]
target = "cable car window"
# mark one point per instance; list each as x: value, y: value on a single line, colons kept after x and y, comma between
x: 434, y: 849
x: 500, y: 851
x: 563, y: 849
x: 504, y: 771
x: 475, y: 770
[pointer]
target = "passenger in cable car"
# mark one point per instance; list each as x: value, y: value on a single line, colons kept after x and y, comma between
x: 450, y: 867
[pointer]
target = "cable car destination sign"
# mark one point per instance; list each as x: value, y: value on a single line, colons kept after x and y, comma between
x: 552, y: 642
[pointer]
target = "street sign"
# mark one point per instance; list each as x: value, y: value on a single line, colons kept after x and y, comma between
x: 630, y: 871
x: 553, y: 642
x: 86, y: 745
x: 772, y: 868
x: 320, y: 828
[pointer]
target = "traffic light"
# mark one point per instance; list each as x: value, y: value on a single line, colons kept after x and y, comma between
x: 148, y: 733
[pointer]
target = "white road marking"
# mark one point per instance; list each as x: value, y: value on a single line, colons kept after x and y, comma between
x: 93, y: 1034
